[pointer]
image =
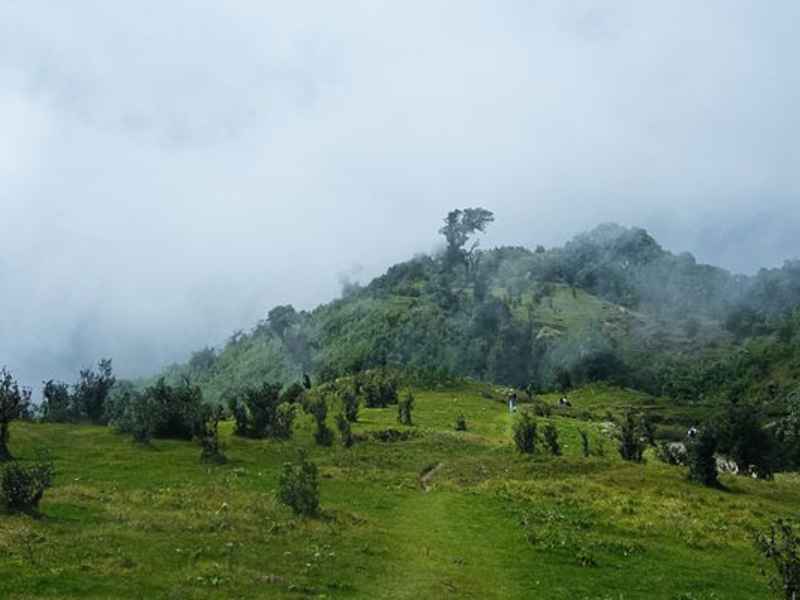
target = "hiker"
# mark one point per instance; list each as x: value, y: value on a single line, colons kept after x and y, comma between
x: 564, y: 402
x: 512, y: 403
x: 692, y: 433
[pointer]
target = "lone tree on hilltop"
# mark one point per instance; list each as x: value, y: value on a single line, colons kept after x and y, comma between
x: 459, y: 225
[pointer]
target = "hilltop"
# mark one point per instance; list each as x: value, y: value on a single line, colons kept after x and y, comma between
x: 610, y: 305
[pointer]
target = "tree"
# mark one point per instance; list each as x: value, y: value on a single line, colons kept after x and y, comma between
x: 91, y: 391
x: 319, y: 410
x: 281, y: 318
x: 459, y: 225
x: 700, y: 457
x: 14, y: 402
x: 350, y: 405
x: 631, y: 442
x: 207, y: 433
x: 742, y: 439
x: 57, y: 406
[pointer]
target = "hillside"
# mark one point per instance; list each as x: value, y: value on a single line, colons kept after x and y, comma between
x: 445, y: 513
x: 611, y: 305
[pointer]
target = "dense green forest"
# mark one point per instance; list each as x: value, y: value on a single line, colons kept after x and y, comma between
x: 610, y: 305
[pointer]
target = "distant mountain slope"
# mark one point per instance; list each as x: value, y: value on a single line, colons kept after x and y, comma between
x: 610, y: 305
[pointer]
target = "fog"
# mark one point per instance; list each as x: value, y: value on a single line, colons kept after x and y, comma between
x: 169, y: 171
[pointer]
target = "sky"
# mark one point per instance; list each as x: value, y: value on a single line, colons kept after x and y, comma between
x: 171, y: 170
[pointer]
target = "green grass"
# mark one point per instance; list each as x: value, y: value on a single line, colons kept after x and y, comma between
x: 129, y: 522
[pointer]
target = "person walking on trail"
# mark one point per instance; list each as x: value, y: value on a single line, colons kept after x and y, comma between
x: 512, y: 403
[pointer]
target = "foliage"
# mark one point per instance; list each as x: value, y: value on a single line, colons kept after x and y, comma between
x: 585, y: 449
x: 260, y: 413
x: 57, y: 405
x: 459, y: 225
x: 524, y: 432
x: 14, y: 402
x: 318, y: 408
x: 207, y: 434
x: 551, y: 439
x: 350, y: 403
x: 298, y: 486
x: 92, y: 390
x: 673, y: 453
x: 701, y: 459
x: 461, y: 422
x: 173, y: 410
x: 22, y: 486
x: 743, y: 440
x: 631, y: 441
x: 345, y: 430
x: 404, y: 409
x: 780, y: 544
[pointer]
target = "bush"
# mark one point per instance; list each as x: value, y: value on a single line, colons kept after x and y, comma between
x: 345, y: 431
x: 404, y: 409
x: 22, y: 487
x: 298, y: 486
x: 207, y: 428
x: 174, y: 409
x: 741, y: 438
x: 461, y: 423
x: 700, y: 458
x: 781, y: 545
x: 631, y: 443
x: 293, y: 394
x: 584, y: 443
x: 350, y: 405
x: 260, y: 412
x: 551, y: 439
x: 319, y: 410
x: 525, y: 436
x: 14, y: 402
x: 57, y: 406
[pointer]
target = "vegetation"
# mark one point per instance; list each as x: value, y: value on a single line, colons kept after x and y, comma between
x: 22, y: 486
x: 405, y: 408
x: 781, y: 545
x: 525, y: 435
x: 298, y: 486
x: 14, y: 403
x: 701, y: 457
x: 631, y: 441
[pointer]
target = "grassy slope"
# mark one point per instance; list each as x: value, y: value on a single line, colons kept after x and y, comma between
x: 124, y: 521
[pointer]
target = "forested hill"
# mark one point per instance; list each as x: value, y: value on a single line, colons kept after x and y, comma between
x: 612, y: 304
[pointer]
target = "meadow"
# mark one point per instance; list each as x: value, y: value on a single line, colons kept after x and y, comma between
x: 441, y: 514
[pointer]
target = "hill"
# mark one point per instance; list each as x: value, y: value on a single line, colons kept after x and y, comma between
x: 610, y: 305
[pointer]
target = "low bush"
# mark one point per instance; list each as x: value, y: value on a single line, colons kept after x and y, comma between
x: 525, y: 435
x: 405, y: 408
x: 781, y: 545
x: 631, y: 440
x: 461, y: 423
x: 700, y: 458
x: 298, y: 486
x: 551, y: 439
x: 22, y: 486
x: 208, y: 434
x: 345, y: 431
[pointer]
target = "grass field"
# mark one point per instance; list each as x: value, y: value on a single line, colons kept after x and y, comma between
x: 129, y: 522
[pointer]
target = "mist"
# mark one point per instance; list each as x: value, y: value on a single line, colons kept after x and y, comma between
x: 170, y: 172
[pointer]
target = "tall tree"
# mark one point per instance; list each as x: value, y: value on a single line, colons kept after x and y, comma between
x: 92, y: 390
x: 459, y: 226
x: 14, y: 403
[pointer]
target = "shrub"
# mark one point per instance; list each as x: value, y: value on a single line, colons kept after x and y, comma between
x: 700, y: 457
x: 92, y: 390
x: 350, y: 405
x: 174, y: 410
x: 781, y: 545
x: 542, y: 409
x: 525, y: 436
x: 298, y: 486
x: 22, y: 487
x: 631, y: 444
x: 584, y: 443
x: 259, y: 412
x: 404, y: 409
x: 207, y: 429
x: 319, y: 410
x: 57, y: 406
x: 551, y: 439
x: 345, y: 431
x: 14, y: 402
x: 293, y: 394
x: 461, y: 423
x: 741, y: 438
